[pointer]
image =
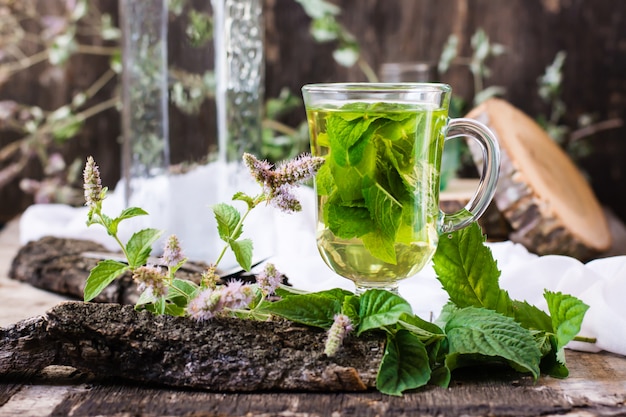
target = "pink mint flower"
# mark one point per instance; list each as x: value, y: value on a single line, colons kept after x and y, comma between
x: 205, y: 305
x: 92, y: 184
x: 340, y: 328
x: 172, y: 253
x: 269, y: 279
x: 150, y: 278
x: 278, y: 183
x: 214, y: 302
x: 236, y: 295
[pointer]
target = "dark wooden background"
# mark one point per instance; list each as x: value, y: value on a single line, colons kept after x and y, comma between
x: 591, y: 32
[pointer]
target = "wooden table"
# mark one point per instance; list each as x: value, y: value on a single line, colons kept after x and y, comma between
x: 596, y: 386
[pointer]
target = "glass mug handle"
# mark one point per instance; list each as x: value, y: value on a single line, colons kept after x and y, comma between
x: 488, y: 179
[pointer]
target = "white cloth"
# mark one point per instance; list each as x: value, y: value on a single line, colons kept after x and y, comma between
x: 289, y: 240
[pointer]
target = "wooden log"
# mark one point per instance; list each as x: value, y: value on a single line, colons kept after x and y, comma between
x: 548, y: 203
x: 62, y: 266
x: 58, y: 265
x: 223, y: 354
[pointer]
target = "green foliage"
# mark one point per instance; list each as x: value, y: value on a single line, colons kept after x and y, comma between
x: 370, y: 177
x: 481, y: 334
x: 480, y: 325
x: 405, y: 364
x: 101, y: 276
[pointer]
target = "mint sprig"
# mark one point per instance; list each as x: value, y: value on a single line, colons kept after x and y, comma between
x: 480, y: 324
x: 468, y: 272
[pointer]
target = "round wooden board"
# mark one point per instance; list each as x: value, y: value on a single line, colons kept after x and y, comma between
x: 547, y: 201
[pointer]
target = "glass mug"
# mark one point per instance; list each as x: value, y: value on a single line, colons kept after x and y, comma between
x: 378, y: 216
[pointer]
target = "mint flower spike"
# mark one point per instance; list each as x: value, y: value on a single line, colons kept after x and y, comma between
x: 205, y: 305
x: 278, y: 183
x: 342, y: 325
x: 217, y: 301
x: 298, y: 170
x: 92, y: 184
x: 260, y: 170
x: 172, y: 253
x: 269, y: 279
x: 152, y: 279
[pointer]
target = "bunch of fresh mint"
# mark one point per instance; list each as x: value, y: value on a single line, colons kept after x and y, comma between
x: 481, y: 323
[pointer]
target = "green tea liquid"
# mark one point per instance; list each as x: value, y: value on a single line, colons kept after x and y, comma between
x: 377, y: 193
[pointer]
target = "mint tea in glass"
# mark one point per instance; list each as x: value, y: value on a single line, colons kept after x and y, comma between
x: 378, y: 216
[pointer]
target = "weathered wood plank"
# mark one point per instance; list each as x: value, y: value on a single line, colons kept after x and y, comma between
x: 596, y: 386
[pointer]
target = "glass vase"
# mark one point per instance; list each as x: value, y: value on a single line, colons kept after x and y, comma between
x: 144, y: 96
x: 239, y: 73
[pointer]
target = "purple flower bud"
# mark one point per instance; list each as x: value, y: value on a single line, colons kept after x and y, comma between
x: 92, y: 184
x: 269, y: 279
x: 283, y: 199
x: 337, y: 332
x: 260, y: 170
x: 205, y: 305
x: 277, y: 183
x: 214, y: 302
x: 236, y: 295
x: 210, y: 278
x: 151, y: 278
x: 298, y: 170
x: 172, y: 253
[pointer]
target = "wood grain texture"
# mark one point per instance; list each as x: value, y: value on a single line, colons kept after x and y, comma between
x: 595, y: 388
x: 543, y: 195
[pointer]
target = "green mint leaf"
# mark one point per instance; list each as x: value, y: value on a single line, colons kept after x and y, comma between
x: 107, y: 222
x: 346, y: 134
x: 101, y: 276
x: 553, y: 362
x: 384, y: 209
x: 567, y: 314
x: 243, y: 252
x: 284, y: 291
x: 440, y: 376
x: 324, y: 181
x: 400, y: 137
x: 379, y: 308
x: 350, y: 307
x: 426, y: 331
x: 469, y: 274
x: 139, y: 246
x: 125, y: 214
x: 244, y: 197
x: 405, y: 364
x: 313, y: 309
x: 349, y: 182
x: 174, y: 310
x: 348, y: 222
x: 228, y: 218
x: 146, y: 297
x: 380, y: 246
x: 531, y: 317
x: 477, y: 331
x: 181, y: 292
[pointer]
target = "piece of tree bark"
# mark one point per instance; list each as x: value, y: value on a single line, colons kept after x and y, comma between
x: 548, y: 203
x: 222, y: 354
x: 62, y: 266
x: 58, y: 265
